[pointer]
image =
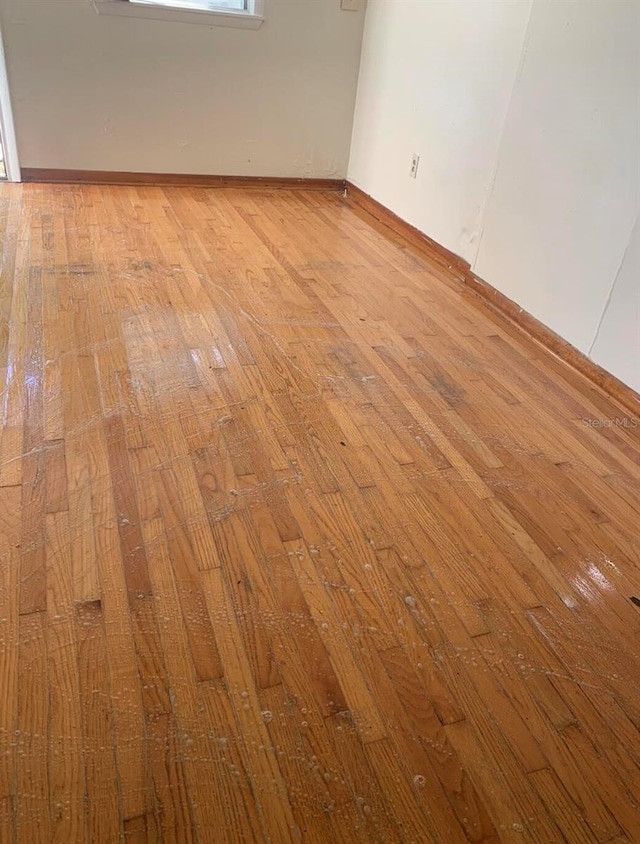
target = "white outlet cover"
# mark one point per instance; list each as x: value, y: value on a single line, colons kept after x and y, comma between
x: 350, y: 5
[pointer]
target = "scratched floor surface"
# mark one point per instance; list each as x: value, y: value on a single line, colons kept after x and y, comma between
x: 298, y: 541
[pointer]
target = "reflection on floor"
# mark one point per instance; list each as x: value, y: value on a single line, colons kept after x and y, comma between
x: 298, y: 541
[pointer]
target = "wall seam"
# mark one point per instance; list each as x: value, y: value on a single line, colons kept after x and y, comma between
x: 607, y: 302
x: 494, y: 175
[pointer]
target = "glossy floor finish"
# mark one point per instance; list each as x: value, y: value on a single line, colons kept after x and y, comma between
x: 298, y: 541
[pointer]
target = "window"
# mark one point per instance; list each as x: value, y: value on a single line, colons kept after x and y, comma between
x: 202, y: 5
x: 245, y: 14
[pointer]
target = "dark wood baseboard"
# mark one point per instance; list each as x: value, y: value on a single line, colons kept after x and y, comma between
x: 498, y: 302
x: 416, y: 238
x: 108, y: 177
x: 553, y: 342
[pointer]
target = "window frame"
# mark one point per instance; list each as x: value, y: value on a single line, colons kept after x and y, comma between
x: 250, y: 18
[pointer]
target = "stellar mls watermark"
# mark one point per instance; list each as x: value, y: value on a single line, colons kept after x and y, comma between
x: 615, y: 422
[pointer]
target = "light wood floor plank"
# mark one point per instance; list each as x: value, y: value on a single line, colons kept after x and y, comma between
x: 299, y: 541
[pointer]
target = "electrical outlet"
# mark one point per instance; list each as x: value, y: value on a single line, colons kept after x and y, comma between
x: 414, y: 166
x: 350, y: 5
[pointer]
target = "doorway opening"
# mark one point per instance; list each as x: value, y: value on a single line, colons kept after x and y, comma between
x: 3, y: 169
x: 9, y: 166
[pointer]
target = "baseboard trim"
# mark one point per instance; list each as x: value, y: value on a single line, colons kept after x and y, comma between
x: 498, y: 302
x: 416, y: 238
x: 108, y: 177
x: 554, y: 343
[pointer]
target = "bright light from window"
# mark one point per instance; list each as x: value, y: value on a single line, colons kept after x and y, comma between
x: 207, y: 5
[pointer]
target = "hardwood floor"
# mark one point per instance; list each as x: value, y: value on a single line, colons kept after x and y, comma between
x: 299, y: 541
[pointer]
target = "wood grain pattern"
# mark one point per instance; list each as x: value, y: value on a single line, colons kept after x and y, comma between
x: 621, y: 392
x: 397, y: 225
x: 299, y: 542
x: 405, y: 233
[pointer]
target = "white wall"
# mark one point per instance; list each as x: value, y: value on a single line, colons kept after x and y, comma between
x: 527, y: 118
x: 112, y: 93
x: 435, y: 79
x: 567, y: 187
x: 616, y: 345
